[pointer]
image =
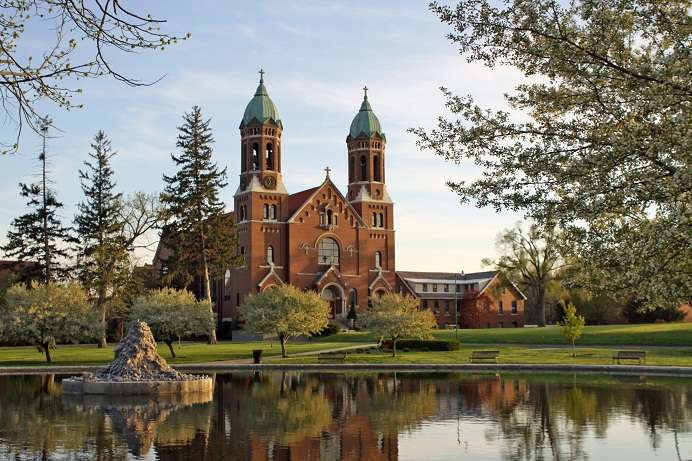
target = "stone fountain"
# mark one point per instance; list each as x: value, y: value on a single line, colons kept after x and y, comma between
x: 137, y: 369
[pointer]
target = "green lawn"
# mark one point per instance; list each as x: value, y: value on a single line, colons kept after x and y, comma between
x: 511, y: 341
x: 509, y: 354
x: 186, y: 353
x: 658, y: 334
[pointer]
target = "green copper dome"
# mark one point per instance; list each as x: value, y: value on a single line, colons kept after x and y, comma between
x: 366, y: 121
x: 261, y: 107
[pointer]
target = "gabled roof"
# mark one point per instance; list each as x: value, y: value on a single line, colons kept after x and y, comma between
x: 306, y: 197
x: 447, y: 277
x: 296, y: 200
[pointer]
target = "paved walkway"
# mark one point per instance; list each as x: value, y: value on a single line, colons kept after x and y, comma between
x: 298, y: 354
x: 585, y: 346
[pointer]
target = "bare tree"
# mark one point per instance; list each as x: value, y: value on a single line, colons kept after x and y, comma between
x: 531, y: 258
x: 83, y: 34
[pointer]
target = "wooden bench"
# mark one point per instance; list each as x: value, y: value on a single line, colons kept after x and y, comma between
x: 484, y: 356
x: 640, y: 356
x: 331, y: 357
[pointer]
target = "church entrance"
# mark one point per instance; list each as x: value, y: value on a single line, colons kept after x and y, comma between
x: 332, y: 295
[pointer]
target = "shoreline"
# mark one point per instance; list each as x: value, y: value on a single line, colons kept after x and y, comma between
x: 657, y: 370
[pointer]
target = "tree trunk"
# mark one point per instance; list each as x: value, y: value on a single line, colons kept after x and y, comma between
x: 282, y: 339
x: 46, y: 350
x: 101, y: 307
x: 169, y: 343
x: 207, y: 291
x: 393, y: 347
x: 574, y: 350
x: 540, y: 302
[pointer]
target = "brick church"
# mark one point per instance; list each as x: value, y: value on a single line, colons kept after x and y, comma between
x: 341, y: 246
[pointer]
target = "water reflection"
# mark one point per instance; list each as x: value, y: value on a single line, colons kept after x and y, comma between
x: 349, y: 417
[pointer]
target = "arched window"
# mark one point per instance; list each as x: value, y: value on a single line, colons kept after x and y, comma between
x: 351, y: 168
x: 270, y: 254
x: 381, y: 220
x: 226, y: 277
x: 330, y: 217
x: 376, y: 168
x: 272, y: 212
x: 265, y: 215
x: 374, y: 220
x: 269, y: 160
x: 243, y: 158
x: 255, y: 157
x: 378, y: 259
x: 328, y: 252
x: 363, y: 168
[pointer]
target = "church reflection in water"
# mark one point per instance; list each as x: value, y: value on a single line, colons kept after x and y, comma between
x: 329, y: 416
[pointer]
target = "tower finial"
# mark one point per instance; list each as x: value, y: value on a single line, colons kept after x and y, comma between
x: 365, y: 90
x: 261, y: 72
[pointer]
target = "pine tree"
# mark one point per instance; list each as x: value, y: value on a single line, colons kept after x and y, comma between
x: 201, y: 236
x: 103, y: 256
x: 38, y: 236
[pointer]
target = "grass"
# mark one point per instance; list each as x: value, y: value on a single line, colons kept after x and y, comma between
x: 186, y: 353
x: 514, y: 344
x: 509, y: 354
x: 656, y: 334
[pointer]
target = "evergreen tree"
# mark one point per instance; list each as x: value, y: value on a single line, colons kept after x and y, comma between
x: 38, y: 235
x: 103, y: 260
x: 202, y: 238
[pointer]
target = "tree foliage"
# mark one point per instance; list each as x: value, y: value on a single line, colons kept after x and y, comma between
x: 531, y: 258
x: 285, y: 311
x: 394, y: 316
x: 572, y: 325
x: 173, y: 314
x: 202, y: 238
x: 79, y: 41
x: 38, y: 236
x: 598, y: 139
x: 45, y: 314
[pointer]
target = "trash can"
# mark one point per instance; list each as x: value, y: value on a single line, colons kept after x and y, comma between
x: 257, y: 356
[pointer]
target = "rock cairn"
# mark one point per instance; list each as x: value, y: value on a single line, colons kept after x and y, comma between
x: 137, y: 360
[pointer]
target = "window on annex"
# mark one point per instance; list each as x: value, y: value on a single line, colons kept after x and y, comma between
x: 352, y: 298
x: 446, y: 287
x: 437, y: 307
x: 434, y: 287
x: 328, y: 252
x: 425, y: 287
x: 514, y: 307
x: 500, y: 307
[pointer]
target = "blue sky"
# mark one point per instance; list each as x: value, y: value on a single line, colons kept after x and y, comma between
x: 317, y: 56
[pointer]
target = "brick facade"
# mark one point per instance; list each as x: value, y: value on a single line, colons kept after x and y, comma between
x: 476, y: 300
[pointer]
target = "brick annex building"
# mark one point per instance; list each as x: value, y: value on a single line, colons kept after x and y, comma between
x: 341, y: 246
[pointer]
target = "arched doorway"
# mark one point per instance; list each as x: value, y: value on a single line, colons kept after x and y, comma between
x: 332, y: 294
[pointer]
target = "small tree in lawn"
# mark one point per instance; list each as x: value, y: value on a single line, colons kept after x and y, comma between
x: 172, y: 314
x: 572, y: 325
x: 285, y: 311
x: 394, y: 316
x: 45, y: 314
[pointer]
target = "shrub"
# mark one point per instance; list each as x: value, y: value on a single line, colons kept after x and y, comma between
x: 330, y: 329
x: 422, y: 344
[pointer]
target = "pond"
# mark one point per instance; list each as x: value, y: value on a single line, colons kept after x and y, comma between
x: 358, y: 416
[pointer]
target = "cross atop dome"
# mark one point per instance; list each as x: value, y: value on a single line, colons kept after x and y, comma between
x: 365, y: 90
x: 262, y: 72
